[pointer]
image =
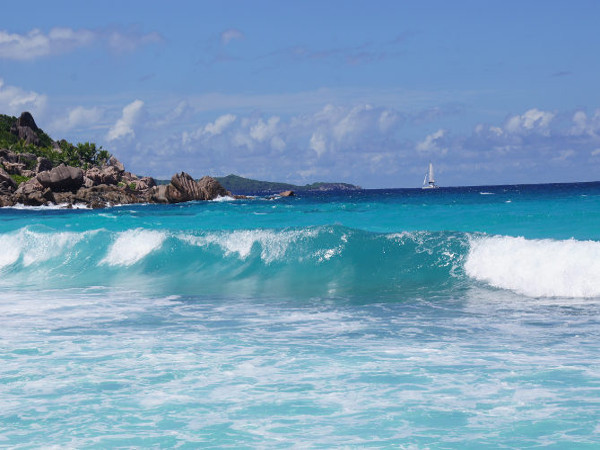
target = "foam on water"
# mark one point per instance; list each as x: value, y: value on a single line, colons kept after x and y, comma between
x: 33, y: 247
x: 389, y: 319
x: 273, y: 243
x: 224, y: 198
x: 536, y: 267
x: 133, y: 245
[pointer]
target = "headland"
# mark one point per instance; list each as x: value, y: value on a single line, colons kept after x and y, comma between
x: 36, y: 170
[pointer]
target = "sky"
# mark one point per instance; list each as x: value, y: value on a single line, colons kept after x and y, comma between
x: 364, y: 92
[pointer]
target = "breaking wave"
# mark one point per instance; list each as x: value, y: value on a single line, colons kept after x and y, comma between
x: 319, y: 261
x: 537, y: 267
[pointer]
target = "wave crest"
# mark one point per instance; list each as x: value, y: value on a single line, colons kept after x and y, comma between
x: 536, y: 267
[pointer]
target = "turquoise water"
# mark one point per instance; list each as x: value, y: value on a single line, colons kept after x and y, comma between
x: 455, y: 318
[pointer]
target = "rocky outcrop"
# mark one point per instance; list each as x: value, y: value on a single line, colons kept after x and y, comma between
x: 98, y: 196
x: 7, y: 184
x: 62, y: 178
x: 26, y: 129
x: 183, y: 188
x: 186, y: 187
x: 98, y: 186
x: 43, y: 164
x: 287, y: 194
x: 114, y: 162
x: 212, y: 189
x: 103, y: 175
x: 144, y: 183
x: 33, y: 193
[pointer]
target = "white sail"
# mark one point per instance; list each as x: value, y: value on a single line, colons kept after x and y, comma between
x: 429, y: 181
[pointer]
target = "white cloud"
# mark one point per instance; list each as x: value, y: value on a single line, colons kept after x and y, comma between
x: 14, y: 100
x: 211, y: 129
x: 124, y: 127
x: 353, y: 122
x: 229, y: 35
x: 36, y: 44
x: 219, y: 125
x: 532, y: 120
x: 584, y: 125
x: 432, y: 143
x: 262, y: 131
x: 78, y: 117
x: 364, y: 144
x: 318, y: 143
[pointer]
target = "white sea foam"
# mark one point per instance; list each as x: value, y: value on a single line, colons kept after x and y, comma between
x: 34, y: 247
x: 226, y: 198
x: 46, y: 207
x: 133, y: 245
x: 273, y: 244
x: 536, y: 268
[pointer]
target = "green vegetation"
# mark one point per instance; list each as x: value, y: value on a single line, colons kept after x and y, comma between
x: 81, y: 155
x: 20, y: 179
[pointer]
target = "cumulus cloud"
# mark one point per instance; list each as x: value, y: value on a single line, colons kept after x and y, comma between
x: 124, y: 127
x: 532, y: 120
x: 35, y: 43
x: 78, y: 117
x: 318, y: 143
x: 584, y: 125
x: 370, y: 145
x: 231, y: 34
x: 218, y: 126
x: 433, y: 143
x: 262, y: 131
x: 14, y: 100
x: 211, y: 129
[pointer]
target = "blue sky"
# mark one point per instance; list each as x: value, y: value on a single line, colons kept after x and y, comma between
x: 366, y: 92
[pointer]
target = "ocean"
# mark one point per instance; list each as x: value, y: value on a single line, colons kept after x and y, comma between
x: 463, y: 318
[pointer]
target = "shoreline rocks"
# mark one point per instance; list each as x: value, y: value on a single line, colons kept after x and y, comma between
x: 29, y: 179
x: 97, y: 187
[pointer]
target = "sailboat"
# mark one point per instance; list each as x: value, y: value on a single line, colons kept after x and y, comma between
x: 429, y: 180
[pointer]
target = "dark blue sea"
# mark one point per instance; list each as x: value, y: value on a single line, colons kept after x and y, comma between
x: 464, y: 318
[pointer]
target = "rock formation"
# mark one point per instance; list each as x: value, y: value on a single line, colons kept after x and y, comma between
x: 26, y: 129
x: 62, y: 178
x: 29, y: 179
x: 183, y: 188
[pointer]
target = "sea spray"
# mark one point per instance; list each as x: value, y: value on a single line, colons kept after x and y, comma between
x: 538, y: 267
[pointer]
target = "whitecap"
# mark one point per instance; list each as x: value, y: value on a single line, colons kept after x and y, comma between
x: 273, y: 243
x: 536, y: 267
x: 34, y: 247
x: 132, y: 246
x: 225, y: 198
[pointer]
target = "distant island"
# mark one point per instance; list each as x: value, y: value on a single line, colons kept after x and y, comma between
x: 235, y: 183
x: 241, y: 185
